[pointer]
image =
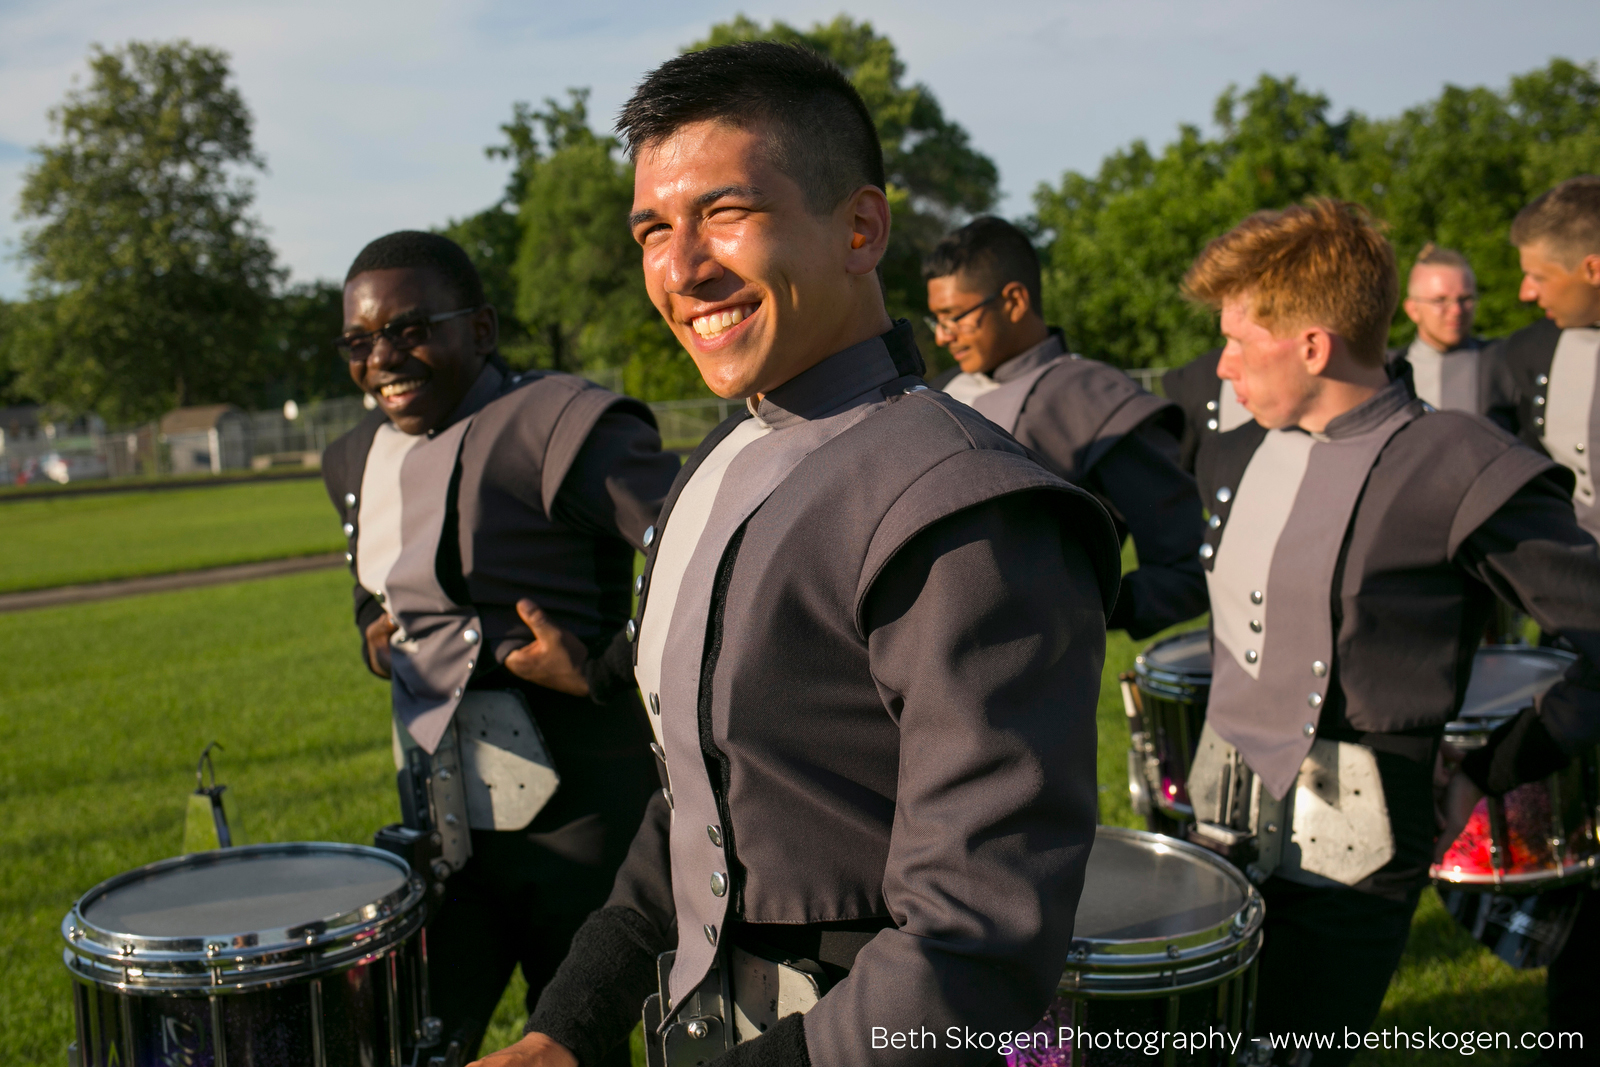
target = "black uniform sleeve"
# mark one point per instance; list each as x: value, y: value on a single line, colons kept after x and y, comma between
x: 1140, y: 478
x: 610, y: 673
x: 1501, y: 393
x: 1533, y: 554
x: 618, y: 480
x: 597, y: 994
x: 986, y: 639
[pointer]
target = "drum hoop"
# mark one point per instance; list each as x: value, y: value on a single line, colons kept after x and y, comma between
x: 1516, y: 884
x: 1174, y: 979
x: 214, y: 963
x: 1183, y: 952
x: 1168, y: 681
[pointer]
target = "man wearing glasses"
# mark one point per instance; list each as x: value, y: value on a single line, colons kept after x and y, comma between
x: 1086, y: 421
x: 491, y: 516
x: 1444, y: 365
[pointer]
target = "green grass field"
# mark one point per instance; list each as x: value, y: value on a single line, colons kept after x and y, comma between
x: 106, y: 707
x: 46, y: 542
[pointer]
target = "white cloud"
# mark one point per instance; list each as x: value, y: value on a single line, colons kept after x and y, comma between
x: 373, y: 116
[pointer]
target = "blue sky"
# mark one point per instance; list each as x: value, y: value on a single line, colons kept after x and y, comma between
x: 373, y: 115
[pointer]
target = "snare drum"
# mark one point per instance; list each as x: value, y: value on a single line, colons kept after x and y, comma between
x: 1165, y: 941
x: 1539, y: 835
x: 306, y: 954
x: 1174, y: 679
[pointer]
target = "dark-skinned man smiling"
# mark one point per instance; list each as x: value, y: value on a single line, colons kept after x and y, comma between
x: 491, y: 516
x: 870, y: 636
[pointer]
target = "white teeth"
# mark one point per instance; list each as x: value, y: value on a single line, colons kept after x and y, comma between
x: 714, y: 323
x: 394, y: 389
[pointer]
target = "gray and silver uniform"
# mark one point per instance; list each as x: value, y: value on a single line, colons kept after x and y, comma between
x: 871, y: 637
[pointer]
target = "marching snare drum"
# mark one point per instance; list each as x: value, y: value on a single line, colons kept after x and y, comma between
x: 1173, y: 679
x: 1541, y: 834
x: 302, y: 954
x: 1165, y: 941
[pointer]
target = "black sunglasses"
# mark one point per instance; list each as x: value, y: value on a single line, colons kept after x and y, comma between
x: 402, y: 336
x: 950, y: 323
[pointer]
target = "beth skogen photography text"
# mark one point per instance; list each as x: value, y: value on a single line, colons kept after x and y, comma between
x: 1058, y: 535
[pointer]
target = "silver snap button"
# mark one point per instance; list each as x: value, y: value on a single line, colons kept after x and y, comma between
x: 632, y: 629
x: 458, y: 694
x: 1215, y: 521
x: 348, y: 558
x: 1309, y: 729
x: 1206, y: 551
x: 1212, y: 424
x: 1315, y: 700
x: 715, y: 835
x: 349, y: 500
x: 1578, y: 448
x: 1539, y: 400
x: 1543, y: 379
x: 711, y: 933
x: 638, y: 585
x: 1251, y: 655
x: 1319, y: 668
x: 655, y: 704
x: 649, y: 536
x: 349, y: 529
x: 1211, y: 405
x: 1539, y: 421
x: 469, y: 636
x: 1256, y: 597
x: 1255, y: 626
x: 1224, y: 494
x: 719, y: 884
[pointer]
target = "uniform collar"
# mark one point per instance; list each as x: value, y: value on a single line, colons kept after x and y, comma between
x: 1369, y: 414
x: 837, y: 380
x: 1031, y: 359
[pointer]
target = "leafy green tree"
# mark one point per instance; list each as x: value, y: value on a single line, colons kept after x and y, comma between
x: 937, y: 179
x: 1454, y: 171
x: 298, y: 360
x: 150, y: 281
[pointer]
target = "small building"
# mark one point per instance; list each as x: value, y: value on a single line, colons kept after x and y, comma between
x: 211, y: 438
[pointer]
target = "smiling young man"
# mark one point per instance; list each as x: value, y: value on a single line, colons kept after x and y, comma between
x: 1545, y: 381
x: 870, y: 636
x: 1444, y: 365
x: 1363, y: 540
x: 485, y: 509
x: 1088, y: 421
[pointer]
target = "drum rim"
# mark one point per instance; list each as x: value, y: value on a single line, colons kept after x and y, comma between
x: 246, y: 959
x: 1527, y: 882
x: 1164, y: 681
x: 1114, y: 958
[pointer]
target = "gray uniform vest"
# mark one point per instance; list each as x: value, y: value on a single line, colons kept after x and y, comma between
x: 785, y: 523
x: 1270, y: 583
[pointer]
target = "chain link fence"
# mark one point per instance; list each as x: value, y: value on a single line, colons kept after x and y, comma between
x: 221, y: 438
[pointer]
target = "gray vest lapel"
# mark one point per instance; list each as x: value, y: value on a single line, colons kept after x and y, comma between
x: 434, y: 660
x: 697, y: 855
x: 1267, y: 708
x: 1003, y: 406
x: 1572, y: 418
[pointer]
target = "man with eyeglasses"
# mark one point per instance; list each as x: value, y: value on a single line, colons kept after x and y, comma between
x: 1444, y: 365
x: 492, y: 516
x: 1086, y: 421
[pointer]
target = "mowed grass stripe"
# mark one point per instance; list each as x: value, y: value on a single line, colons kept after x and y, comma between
x: 47, y: 542
x: 106, y: 706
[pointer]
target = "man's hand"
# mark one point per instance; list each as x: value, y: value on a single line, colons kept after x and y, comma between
x: 1460, y: 797
x: 378, y: 644
x: 553, y: 659
x: 535, y: 1050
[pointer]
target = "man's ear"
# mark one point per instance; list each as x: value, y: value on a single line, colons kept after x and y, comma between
x: 485, y: 330
x: 1316, y: 349
x: 867, y: 211
x: 1589, y: 270
x: 1016, y: 301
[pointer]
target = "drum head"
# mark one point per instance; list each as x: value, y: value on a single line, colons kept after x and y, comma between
x: 1143, y: 889
x: 1505, y: 679
x: 227, y: 893
x: 1187, y: 654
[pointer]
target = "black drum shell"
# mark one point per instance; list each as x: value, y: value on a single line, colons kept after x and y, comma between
x: 1174, y: 680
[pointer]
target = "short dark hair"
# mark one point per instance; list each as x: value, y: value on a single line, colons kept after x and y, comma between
x: 821, y: 133
x: 989, y: 253
x: 418, y: 250
x: 1567, y: 218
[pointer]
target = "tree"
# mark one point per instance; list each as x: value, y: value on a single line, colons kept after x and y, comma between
x: 150, y: 282
x: 1454, y: 171
x: 298, y: 360
x: 937, y: 180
